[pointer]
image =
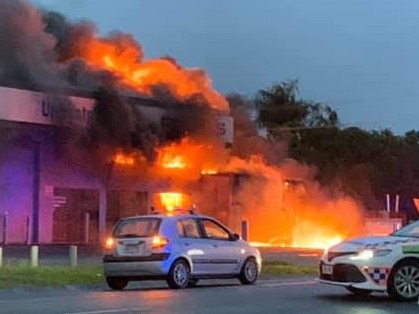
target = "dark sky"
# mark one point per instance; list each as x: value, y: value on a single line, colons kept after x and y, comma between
x: 361, y: 57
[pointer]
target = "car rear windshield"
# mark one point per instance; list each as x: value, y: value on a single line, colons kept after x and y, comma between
x: 137, y: 228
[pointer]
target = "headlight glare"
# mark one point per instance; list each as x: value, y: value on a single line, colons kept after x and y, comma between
x: 368, y: 254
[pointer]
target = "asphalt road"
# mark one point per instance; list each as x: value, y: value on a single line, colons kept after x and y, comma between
x: 288, y: 295
x: 291, y: 296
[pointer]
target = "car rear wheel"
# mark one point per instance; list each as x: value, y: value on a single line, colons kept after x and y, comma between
x: 116, y: 283
x: 357, y: 291
x: 179, y: 275
x: 403, y: 283
x: 249, y: 272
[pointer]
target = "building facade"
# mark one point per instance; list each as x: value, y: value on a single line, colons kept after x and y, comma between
x: 50, y: 195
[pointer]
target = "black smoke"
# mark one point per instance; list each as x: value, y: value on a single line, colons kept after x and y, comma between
x: 41, y: 50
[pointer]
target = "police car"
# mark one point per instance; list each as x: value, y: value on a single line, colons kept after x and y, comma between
x: 383, y: 264
x: 181, y: 248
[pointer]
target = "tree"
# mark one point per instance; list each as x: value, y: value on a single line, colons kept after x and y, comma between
x: 280, y: 108
x: 364, y: 164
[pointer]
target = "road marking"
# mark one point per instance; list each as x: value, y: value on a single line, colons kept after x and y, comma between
x: 291, y: 283
x: 120, y: 310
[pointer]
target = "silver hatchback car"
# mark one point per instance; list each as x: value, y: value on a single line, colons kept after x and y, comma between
x: 180, y: 249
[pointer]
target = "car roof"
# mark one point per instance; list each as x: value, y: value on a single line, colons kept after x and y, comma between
x: 168, y: 217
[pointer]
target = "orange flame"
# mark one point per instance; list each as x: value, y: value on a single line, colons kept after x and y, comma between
x: 292, y: 213
x: 173, y: 162
x: 124, y: 59
x: 189, y: 159
x: 172, y: 200
x: 121, y: 159
x: 276, y: 217
x: 209, y: 172
x: 289, y: 212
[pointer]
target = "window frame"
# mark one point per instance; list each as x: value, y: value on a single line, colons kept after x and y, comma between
x: 221, y: 226
x: 199, y: 228
x: 158, y: 222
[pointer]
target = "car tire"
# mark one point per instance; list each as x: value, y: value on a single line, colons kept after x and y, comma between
x: 193, y: 282
x: 179, y: 275
x: 116, y: 283
x: 403, y: 282
x: 249, y: 272
x: 360, y: 292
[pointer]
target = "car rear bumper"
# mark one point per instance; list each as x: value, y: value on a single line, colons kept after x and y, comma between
x: 157, y: 264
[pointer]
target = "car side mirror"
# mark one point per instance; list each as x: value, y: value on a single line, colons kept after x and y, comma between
x: 234, y: 237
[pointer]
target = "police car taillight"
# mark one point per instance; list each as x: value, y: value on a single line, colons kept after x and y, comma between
x: 159, y: 242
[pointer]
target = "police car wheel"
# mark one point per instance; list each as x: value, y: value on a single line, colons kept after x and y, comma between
x: 179, y: 275
x: 403, y: 283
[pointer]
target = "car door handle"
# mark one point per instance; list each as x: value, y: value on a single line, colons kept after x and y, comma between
x: 186, y: 244
x: 215, y: 245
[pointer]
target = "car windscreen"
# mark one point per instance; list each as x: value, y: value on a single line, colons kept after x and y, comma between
x: 137, y: 228
x: 411, y: 231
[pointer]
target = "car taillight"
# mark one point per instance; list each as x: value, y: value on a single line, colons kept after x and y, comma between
x: 110, y: 244
x: 159, y: 242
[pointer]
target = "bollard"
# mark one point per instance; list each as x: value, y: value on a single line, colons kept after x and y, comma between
x: 1, y: 256
x: 73, y: 255
x: 34, y: 256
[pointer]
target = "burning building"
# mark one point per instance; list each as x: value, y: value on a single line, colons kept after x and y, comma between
x: 93, y: 131
x: 57, y: 188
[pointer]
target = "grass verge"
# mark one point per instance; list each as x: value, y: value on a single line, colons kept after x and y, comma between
x: 44, y: 276
x: 277, y: 268
x: 20, y: 276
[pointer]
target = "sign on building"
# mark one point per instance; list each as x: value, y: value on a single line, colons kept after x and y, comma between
x: 40, y: 108
x: 225, y: 128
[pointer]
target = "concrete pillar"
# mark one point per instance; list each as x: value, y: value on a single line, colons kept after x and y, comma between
x: 73, y: 255
x: 34, y: 256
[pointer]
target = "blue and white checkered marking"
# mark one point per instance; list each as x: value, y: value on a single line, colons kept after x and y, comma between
x: 379, y: 275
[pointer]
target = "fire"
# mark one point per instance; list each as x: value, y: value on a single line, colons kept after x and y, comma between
x: 173, y: 162
x: 172, y: 200
x: 209, y: 171
x: 316, y: 234
x: 122, y: 159
x: 178, y: 155
x: 286, y: 215
x: 319, y: 242
x: 189, y: 159
x: 292, y: 212
x: 124, y: 58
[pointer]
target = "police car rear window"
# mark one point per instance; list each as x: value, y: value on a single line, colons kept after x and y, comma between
x: 137, y: 228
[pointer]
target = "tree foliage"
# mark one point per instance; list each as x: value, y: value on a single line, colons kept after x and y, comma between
x: 280, y: 108
x: 365, y: 164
